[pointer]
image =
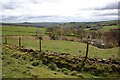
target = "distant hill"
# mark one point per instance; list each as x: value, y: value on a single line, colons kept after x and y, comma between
x: 44, y: 24
x: 90, y: 24
x: 66, y: 24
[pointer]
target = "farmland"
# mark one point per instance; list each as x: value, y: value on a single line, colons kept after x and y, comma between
x: 17, y: 30
x: 74, y: 48
x: 106, y: 28
x: 29, y: 40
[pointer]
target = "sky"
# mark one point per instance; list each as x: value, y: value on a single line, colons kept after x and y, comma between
x: 58, y: 10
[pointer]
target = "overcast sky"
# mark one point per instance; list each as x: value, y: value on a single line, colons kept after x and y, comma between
x: 58, y: 10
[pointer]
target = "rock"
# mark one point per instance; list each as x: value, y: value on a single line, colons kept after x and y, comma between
x: 31, y: 50
x: 23, y: 50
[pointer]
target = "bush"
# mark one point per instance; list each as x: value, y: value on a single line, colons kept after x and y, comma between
x: 52, y: 66
x: 35, y: 63
x: 74, y: 73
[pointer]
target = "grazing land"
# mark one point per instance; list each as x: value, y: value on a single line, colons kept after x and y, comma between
x: 68, y: 41
x: 20, y: 30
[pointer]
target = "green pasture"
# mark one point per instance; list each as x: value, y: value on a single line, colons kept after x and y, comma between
x: 74, y: 48
x: 23, y: 69
x: 107, y: 28
x: 20, y: 30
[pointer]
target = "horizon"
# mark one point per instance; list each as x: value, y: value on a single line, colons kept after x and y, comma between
x: 58, y: 22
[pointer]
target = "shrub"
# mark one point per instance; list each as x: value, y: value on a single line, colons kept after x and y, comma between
x: 74, y: 73
x: 52, y: 66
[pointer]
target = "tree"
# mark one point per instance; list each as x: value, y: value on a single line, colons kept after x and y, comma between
x: 111, y: 38
x: 116, y: 36
x: 54, y: 32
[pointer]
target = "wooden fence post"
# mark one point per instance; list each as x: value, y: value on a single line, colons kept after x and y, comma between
x: 40, y: 44
x: 19, y: 42
x: 87, y: 48
x: 5, y: 40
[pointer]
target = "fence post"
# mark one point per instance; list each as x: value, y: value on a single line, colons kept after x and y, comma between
x: 19, y: 42
x: 5, y: 40
x: 40, y: 44
x: 87, y: 48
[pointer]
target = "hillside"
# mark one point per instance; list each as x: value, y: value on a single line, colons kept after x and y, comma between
x: 60, y: 50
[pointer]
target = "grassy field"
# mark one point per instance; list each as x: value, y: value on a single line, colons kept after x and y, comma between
x: 74, y: 48
x: 107, y: 28
x: 20, y: 68
x: 20, y: 30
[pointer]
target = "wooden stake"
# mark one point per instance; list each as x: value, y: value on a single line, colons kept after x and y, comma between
x: 20, y: 42
x: 40, y: 44
x: 87, y: 48
x: 5, y: 40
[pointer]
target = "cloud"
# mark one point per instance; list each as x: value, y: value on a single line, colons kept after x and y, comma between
x: 108, y: 14
x: 112, y: 5
x: 9, y: 6
x: 57, y: 10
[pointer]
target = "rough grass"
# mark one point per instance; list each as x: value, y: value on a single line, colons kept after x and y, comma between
x: 17, y: 68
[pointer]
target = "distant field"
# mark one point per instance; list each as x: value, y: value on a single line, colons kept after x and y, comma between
x: 20, y: 30
x: 106, y: 28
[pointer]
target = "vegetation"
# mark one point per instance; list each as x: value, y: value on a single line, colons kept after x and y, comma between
x: 19, y: 68
x: 20, y: 30
x: 58, y: 50
x: 52, y: 66
x: 74, y: 48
